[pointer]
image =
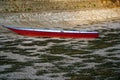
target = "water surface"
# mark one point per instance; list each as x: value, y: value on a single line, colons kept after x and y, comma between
x: 27, y: 58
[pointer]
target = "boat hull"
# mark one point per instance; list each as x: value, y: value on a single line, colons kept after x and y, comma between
x: 33, y: 33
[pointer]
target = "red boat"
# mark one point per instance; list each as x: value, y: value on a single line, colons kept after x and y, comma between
x: 53, y: 33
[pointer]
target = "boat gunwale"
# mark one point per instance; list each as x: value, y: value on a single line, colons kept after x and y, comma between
x: 51, y: 30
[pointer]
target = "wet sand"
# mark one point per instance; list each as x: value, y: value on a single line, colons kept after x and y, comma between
x: 60, y: 20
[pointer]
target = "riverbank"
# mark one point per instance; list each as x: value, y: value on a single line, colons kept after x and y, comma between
x: 57, y: 14
x: 64, y: 19
x: 17, y: 6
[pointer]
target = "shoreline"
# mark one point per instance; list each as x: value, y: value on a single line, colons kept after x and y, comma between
x: 65, y: 19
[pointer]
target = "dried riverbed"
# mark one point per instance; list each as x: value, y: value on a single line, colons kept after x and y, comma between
x: 28, y: 58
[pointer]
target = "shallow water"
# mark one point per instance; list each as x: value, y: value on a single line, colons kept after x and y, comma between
x: 28, y: 58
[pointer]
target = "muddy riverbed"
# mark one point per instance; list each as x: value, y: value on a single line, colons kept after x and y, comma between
x: 28, y: 58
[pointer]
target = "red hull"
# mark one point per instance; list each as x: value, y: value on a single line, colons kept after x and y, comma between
x: 53, y: 34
